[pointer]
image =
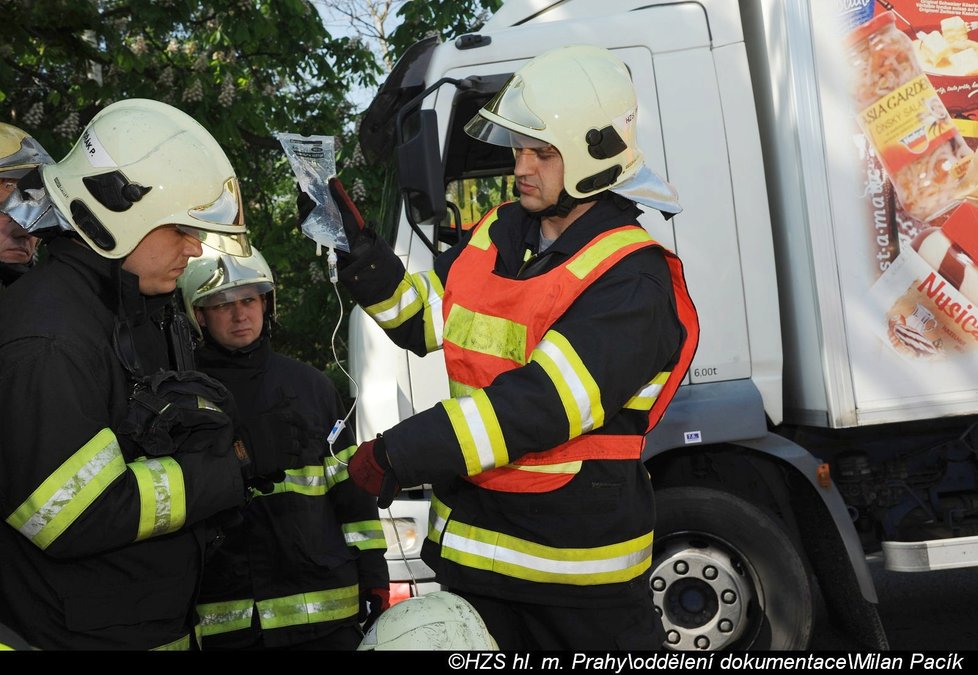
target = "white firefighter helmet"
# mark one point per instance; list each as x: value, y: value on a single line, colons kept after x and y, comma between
x: 580, y: 99
x: 141, y: 164
x: 215, y: 278
x: 435, y: 621
x: 19, y: 152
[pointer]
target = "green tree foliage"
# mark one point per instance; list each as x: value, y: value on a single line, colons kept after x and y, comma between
x: 244, y: 69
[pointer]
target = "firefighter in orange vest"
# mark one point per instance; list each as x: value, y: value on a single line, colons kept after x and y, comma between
x: 566, y: 330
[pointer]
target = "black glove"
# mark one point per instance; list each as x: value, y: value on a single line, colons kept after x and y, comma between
x: 183, y: 411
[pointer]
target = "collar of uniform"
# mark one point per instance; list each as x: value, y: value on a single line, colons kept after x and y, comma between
x: 254, y: 356
x: 606, y: 214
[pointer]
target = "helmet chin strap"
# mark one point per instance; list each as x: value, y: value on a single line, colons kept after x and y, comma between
x: 564, y: 205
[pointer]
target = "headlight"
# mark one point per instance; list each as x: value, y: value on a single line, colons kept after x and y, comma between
x: 406, y: 531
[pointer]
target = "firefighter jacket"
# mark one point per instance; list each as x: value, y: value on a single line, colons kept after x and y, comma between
x: 102, y: 547
x: 293, y: 570
x: 556, y: 362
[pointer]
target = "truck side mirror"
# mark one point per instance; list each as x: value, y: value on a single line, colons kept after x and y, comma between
x: 420, y: 171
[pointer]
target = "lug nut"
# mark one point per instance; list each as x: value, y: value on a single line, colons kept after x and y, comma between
x: 710, y: 572
x: 672, y: 637
x: 728, y: 597
x: 658, y: 584
x: 702, y: 642
x: 681, y: 567
x: 725, y: 625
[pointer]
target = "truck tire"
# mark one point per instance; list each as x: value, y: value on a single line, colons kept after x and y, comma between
x: 726, y: 575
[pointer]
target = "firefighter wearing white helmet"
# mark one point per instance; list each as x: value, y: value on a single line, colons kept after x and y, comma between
x: 19, y: 153
x: 566, y: 331
x: 438, y: 621
x: 580, y: 101
x: 119, y: 457
x: 313, y: 535
x: 139, y: 165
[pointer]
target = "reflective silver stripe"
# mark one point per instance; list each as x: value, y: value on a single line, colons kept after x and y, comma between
x: 314, y: 607
x: 162, y: 496
x: 224, y: 617
x: 480, y: 435
x: 434, y: 320
x: 578, y: 391
x: 71, y: 489
x: 504, y: 554
x: 394, y: 311
x: 364, y: 534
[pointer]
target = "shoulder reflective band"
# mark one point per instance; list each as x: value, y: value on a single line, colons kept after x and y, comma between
x: 72, y: 488
x: 578, y: 391
x: 364, y: 535
x: 477, y: 430
x: 330, y: 605
x: 224, y: 617
x: 480, y: 237
x: 162, y: 496
x: 597, y: 253
x: 484, y: 549
x: 178, y: 645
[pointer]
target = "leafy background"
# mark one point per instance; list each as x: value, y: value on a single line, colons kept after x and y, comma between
x: 244, y: 69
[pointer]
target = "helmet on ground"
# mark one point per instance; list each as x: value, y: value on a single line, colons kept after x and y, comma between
x: 580, y: 99
x: 435, y: 621
x: 141, y: 164
x: 19, y: 152
x: 216, y: 278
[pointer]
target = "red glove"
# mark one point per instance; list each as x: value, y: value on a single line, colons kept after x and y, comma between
x: 370, y: 470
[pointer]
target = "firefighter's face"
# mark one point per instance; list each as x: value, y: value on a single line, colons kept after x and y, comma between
x: 160, y: 258
x: 539, y: 176
x: 16, y: 245
x: 235, y: 324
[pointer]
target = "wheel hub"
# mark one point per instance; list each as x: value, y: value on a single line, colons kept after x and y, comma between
x: 700, y: 595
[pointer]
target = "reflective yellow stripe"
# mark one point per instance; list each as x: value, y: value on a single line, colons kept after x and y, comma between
x: 477, y: 430
x: 335, y: 467
x: 398, y: 308
x: 480, y: 238
x: 438, y: 514
x: 562, y: 467
x: 224, y: 617
x: 308, y: 481
x: 596, y: 254
x: 162, y: 496
x: 578, y: 391
x: 486, y: 334
x: 484, y: 549
x: 72, y: 488
x: 178, y: 645
x: 645, y: 398
x: 458, y: 390
x: 364, y: 534
x: 329, y: 605
x: 434, y: 323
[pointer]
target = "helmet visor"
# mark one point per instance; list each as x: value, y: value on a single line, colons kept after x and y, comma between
x: 226, y: 295
x: 227, y: 210
x: 232, y: 244
x: 29, y: 155
x: 483, y: 130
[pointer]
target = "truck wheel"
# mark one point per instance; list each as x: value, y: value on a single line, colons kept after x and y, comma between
x: 726, y: 575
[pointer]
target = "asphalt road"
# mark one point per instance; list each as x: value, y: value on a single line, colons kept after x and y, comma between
x: 933, y: 611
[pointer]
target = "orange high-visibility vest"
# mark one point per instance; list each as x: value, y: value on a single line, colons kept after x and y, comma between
x: 520, y: 312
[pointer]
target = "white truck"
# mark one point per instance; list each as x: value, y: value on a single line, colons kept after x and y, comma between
x: 809, y: 432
